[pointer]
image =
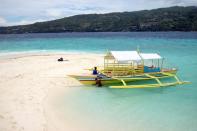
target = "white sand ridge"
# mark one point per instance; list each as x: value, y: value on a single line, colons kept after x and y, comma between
x: 26, y: 81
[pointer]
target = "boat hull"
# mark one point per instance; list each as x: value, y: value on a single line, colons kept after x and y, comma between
x: 103, y: 81
x: 90, y: 79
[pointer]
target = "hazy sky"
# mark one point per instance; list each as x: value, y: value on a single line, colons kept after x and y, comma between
x: 14, y: 12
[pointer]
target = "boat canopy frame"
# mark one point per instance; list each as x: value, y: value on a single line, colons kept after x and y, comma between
x: 120, y: 63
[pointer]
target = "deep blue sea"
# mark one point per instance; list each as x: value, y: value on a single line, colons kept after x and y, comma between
x: 163, y: 109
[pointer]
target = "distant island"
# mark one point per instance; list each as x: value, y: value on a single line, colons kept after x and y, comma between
x: 163, y: 19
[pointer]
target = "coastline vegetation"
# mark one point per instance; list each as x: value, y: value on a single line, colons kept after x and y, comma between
x: 163, y: 19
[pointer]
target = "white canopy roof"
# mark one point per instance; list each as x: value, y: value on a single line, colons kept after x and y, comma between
x: 133, y: 55
x: 126, y: 55
x: 148, y: 56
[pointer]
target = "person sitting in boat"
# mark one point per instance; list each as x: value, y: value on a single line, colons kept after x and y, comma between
x: 152, y: 66
x: 95, y: 72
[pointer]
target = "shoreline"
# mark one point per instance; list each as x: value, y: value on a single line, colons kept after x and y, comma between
x: 20, y: 54
x: 30, y: 82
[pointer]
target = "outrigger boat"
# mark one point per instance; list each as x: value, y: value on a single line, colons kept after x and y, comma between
x: 124, y: 68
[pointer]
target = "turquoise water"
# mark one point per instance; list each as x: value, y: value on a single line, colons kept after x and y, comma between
x: 164, y: 109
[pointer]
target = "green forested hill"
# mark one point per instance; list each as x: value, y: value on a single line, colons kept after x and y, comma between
x: 162, y: 19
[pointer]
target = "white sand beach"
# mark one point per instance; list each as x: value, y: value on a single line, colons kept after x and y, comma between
x: 28, y: 82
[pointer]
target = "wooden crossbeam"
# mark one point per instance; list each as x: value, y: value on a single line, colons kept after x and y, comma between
x: 123, y: 82
x: 177, y: 79
x: 155, y: 78
x: 168, y: 74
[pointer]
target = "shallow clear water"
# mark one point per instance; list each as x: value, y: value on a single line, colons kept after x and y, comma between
x: 169, y: 109
x: 164, y: 109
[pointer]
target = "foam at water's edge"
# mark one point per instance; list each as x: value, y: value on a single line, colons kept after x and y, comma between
x: 14, y: 54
